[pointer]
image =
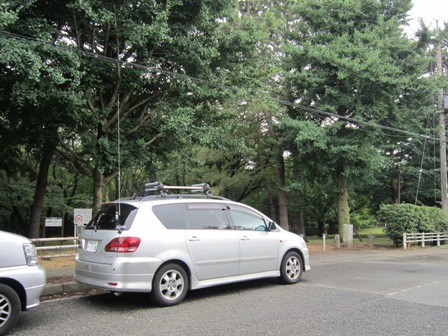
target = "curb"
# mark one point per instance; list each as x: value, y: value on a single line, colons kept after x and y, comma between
x: 67, y: 287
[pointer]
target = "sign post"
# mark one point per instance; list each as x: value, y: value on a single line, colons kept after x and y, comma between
x: 80, y: 217
x: 53, y: 222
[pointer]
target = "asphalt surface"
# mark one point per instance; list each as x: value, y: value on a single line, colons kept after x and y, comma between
x: 60, y: 281
x: 359, y: 292
x: 419, y: 275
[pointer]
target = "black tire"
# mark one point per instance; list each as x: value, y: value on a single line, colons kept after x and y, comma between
x: 291, y: 269
x: 10, y: 309
x: 170, y: 285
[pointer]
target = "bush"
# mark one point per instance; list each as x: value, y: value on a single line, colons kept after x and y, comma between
x: 401, y: 218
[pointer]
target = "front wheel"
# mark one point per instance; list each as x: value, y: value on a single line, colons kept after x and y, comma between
x: 170, y: 285
x: 9, y: 309
x: 291, y: 268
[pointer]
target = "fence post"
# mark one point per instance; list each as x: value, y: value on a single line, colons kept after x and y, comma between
x: 438, y: 239
x: 371, y: 238
x: 337, y: 241
x: 324, y: 241
x: 423, y: 239
x: 404, y: 241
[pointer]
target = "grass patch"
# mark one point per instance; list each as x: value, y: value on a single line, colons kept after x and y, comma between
x: 59, y: 262
x: 53, y: 259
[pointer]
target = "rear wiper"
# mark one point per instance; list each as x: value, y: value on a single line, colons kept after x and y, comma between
x: 96, y: 222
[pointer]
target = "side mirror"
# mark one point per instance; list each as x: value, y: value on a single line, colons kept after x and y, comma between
x: 272, y: 226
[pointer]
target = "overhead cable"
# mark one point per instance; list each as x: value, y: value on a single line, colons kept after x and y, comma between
x: 157, y: 69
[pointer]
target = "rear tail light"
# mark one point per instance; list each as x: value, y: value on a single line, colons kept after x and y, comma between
x: 123, y: 245
x: 30, y: 254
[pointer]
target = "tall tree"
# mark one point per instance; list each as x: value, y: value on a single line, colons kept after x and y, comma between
x: 147, y: 69
x: 273, y: 19
x: 351, y: 58
x: 37, y: 93
x: 159, y: 47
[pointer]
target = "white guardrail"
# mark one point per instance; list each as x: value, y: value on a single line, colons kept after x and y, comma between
x: 423, y: 238
x: 41, y: 241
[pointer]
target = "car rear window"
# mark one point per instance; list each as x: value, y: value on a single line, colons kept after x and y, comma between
x: 172, y: 216
x: 105, y: 218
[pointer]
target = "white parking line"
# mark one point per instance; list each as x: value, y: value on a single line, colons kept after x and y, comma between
x: 416, y: 287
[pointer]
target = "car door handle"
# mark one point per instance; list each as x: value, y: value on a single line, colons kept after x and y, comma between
x: 194, y: 238
x: 245, y: 238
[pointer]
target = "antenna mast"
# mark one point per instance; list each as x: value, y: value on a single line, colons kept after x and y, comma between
x: 442, y: 132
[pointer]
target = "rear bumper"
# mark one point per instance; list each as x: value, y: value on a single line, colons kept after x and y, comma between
x: 129, y: 275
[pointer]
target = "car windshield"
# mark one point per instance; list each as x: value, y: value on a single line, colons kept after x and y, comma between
x: 105, y: 218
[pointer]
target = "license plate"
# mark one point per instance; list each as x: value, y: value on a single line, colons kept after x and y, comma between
x: 92, y: 245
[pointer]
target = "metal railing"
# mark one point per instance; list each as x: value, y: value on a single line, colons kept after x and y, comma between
x: 40, y: 242
x: 423, y: 238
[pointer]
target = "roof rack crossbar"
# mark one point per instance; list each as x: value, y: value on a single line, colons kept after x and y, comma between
x: 161, y: 188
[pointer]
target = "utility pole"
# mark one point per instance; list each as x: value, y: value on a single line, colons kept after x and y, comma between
x: 442, y: 133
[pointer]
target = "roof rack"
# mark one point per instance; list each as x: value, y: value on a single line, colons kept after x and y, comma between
x: 182, y: 196
x: 158, y: 188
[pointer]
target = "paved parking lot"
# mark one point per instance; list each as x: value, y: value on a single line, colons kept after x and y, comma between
x: 418, y: 275
x: 357, y: 292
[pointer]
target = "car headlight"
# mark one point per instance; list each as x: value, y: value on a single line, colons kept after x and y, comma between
x: 30, y: 254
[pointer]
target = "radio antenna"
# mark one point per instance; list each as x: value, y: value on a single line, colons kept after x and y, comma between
x: 118, y: 210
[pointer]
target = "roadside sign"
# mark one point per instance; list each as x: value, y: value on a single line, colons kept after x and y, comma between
x: 79, y: 219
x: 82, y: 216
x: 53, y: 222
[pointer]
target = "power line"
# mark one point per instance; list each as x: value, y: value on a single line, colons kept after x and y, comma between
x: 360, y: 122
x: 157, y: 69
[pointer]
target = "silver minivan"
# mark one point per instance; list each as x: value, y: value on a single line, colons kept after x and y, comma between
x: 22, y: 279
x: 166, y: 245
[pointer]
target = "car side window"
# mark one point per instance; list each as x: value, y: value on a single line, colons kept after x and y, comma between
x: 172, y: 216
x: 207, y: 217
x: 244, y: 220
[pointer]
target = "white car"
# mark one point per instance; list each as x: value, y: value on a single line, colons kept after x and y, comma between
x: 168, y: 244
x: 22, y: 279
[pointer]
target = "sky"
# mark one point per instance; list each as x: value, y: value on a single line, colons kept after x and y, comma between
x: 430, y: 11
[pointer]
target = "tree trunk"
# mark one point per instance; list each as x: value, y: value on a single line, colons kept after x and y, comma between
x: 272, y: 210
x: 298, y: 213
x: 98, y: 188
x: 300, y: 227
x: 320, y: 227
x: 395, y: 191
x: 343, y: 207
x: 282, y: 200
x: 101, y: 183
x: 395, y: 185
x: 41, y: 187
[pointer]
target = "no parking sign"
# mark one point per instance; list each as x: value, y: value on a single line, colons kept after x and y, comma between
x: 81, y: 217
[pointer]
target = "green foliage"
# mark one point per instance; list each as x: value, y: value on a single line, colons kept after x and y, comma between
x: 16, y: 197
x: 363, y: 218
x: 401, y: 218
x: 352, y: 59
x: 191, y: 108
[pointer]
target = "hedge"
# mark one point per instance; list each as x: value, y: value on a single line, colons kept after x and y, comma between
x: 401, y: 218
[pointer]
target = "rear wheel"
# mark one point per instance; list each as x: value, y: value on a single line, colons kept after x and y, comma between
x: 9, y: 309
x: 291, y: 268
x: 170, y: 285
